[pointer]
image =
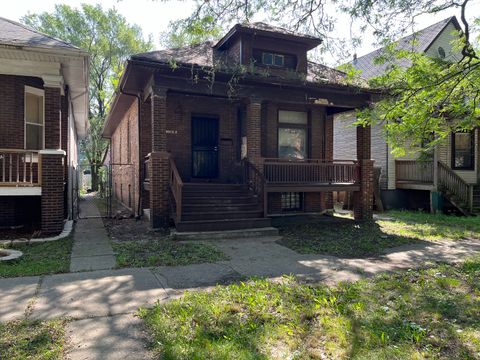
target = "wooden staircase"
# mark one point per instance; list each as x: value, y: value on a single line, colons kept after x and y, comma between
x: 456, y: 190
x: 476, y: 199
x: 217, y: 207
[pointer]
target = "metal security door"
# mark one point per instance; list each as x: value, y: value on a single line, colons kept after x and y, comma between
x: 204, y: 147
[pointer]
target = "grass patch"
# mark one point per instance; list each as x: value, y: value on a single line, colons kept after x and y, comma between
x: 431, y: 313
x: 164, y: 251
x: 343, y: 237
x: 32, y: 339
x: 429, y: 227
x: 39, y: 258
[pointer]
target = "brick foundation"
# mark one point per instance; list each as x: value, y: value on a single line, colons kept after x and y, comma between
x: 52, y: 191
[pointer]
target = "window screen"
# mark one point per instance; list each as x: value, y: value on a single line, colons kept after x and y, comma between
x: 34, y: 121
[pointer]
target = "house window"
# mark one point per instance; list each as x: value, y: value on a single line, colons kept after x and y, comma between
x: 292, y: 201
x: 292, y: 135
x: 463, y: 155
x: 273, y: 59
x: 34, y: 118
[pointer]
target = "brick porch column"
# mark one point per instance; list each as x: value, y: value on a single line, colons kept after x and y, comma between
x: 51, y: 165
x: 159, y: 164
x: 254, y: 132
x: 53, y: 101
x: 328, y: 195
x: 363, y: 199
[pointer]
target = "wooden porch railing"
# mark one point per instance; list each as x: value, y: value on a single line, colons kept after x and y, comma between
x: 449, y: 181
x: 414, y: 171
x: 255, y: 180
x: 311, y: 171
x: 176, y: 186
x: 19, y: 168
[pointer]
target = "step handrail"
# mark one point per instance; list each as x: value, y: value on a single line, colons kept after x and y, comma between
x: 255, y: 180
x: 176, y: 186
x: 452, y: 182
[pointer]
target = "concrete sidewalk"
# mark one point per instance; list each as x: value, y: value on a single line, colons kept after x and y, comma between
x: 102, y: 303
x: 91, y: 247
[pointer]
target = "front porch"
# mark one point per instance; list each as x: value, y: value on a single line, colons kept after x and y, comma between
x: 32, y: 188
x: 217, y: 161
x: 435, y: 176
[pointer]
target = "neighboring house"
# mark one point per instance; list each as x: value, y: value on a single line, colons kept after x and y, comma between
x: 406, y: 182
x: 223, y: 134
x: 43, y: 114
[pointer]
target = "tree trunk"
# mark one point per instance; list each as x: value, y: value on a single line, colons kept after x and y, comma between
x: 94, y: 171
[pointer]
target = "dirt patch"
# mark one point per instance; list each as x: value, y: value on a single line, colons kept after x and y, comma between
x: 123, y: 229
x: 21, y: 232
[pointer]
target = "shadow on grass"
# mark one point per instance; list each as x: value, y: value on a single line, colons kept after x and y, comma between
x: 429, y: 313
x: 340, y: 237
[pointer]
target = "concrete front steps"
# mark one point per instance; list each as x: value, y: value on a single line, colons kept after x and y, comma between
x: 210, y: 207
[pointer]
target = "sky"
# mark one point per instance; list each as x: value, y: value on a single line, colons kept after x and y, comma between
x: 153, y: 16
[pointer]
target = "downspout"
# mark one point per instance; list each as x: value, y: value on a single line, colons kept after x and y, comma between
x: 139, y: 202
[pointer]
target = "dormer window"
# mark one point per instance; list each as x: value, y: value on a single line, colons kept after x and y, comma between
x: 273, y: 59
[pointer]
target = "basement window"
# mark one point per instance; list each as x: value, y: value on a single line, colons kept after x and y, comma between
x: 292, y: 201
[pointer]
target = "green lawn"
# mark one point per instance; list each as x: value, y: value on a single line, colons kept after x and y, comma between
x: 164, y: 251
x: 42, y: 340
x: 341, y: 236
x: 39, y: 258
x: 431, y: 313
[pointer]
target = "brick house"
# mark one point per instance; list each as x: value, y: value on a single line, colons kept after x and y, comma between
x: 43, y: 114
x: 406, y: 182
x: 223, y: 135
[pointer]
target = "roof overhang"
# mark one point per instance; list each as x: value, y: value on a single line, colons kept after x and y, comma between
x: 309, y: 42
x: 57, y: 67
x: 139, y: 74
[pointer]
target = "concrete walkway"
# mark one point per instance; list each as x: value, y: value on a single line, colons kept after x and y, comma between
x: 91, y: 247
x: 102, y: 303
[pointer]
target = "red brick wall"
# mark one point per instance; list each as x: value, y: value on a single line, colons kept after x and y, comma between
x: 125, y: 159
x: 12, y: 95
x: 52, y: 194
x: 180, y: 110
x: 52, y: 118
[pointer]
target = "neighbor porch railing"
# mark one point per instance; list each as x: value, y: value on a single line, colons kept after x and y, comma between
x: 19, y: 168
x: 414, y: 171
x: 311, y: 171
x: 449, y: 181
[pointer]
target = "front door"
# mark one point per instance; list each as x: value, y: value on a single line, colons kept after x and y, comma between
x: 204, y: 147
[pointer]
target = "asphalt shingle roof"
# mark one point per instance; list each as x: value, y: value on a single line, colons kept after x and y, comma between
x: 418, y: 42
x: 14, y: 33
x: 204, y: 55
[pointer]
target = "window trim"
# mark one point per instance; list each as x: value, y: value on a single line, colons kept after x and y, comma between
x: 36, y: 92
x: 286, y: 125
x: 472, y: 151
x: 274, y: 55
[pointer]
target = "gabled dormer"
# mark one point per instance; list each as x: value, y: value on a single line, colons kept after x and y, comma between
x: 273, y: 48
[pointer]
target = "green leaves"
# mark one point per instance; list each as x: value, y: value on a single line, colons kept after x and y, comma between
x: 426, y: 96
x: 109, y: 40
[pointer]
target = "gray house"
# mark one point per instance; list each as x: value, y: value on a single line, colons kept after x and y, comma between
x: 407, y: 182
